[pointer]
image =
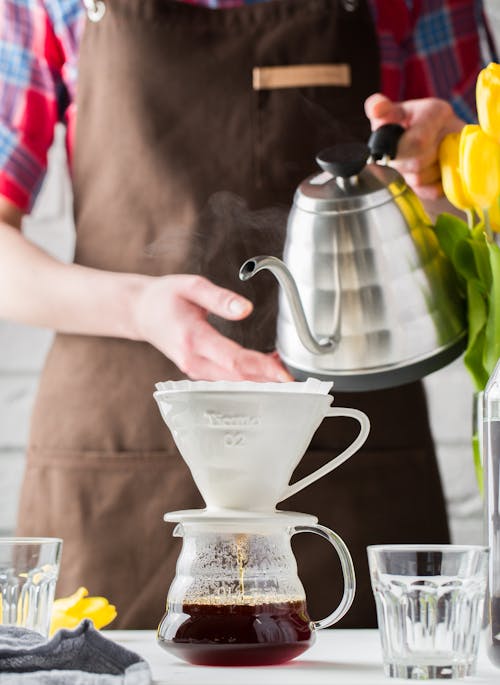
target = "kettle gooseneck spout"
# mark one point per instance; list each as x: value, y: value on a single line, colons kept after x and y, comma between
x: 282, y: 274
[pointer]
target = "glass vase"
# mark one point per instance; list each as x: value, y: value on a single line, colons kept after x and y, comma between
x: 490, y: 444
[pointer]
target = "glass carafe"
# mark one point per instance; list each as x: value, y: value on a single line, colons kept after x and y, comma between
x: 236, y: 599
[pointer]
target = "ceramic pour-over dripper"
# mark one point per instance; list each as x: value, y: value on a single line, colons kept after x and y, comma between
x: 243, y: 440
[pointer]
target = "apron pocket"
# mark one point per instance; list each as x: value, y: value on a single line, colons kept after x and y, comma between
x: 301, y: 75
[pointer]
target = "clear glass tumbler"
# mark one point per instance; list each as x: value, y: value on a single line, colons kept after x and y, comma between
x: 430, y: 601
x: 28, y: 573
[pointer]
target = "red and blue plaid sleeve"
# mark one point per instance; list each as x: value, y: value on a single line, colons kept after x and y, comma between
x: 30, y: 80
x: 443, y: 52
x: 431, y: 48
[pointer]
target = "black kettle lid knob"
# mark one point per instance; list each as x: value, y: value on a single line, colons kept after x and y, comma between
x: 344, y: 159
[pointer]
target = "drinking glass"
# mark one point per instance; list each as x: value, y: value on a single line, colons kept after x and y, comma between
x: 28, y: 573
x: 430, y: 601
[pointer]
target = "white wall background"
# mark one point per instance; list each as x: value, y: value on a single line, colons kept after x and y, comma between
x: 23, y: 349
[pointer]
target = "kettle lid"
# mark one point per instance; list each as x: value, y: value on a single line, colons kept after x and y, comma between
x: 350, y: 181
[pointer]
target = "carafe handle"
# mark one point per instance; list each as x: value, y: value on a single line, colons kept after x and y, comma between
x: 347, y: 571
x: 339, y: 459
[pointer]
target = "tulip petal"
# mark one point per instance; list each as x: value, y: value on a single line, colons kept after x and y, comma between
x: 62, y: 620
x: 104, y: 616
x: 488, y: 101
x: 68, y: 612
x: 450, y: 173
x: 494, y: 214
x: 479, y: 166
x: 66, y: 603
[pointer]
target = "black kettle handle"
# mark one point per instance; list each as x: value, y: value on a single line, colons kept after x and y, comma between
x: 384, y: 141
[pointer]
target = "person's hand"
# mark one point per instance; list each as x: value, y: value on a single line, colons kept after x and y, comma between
x: 171, y: 314
x: 427, y: 121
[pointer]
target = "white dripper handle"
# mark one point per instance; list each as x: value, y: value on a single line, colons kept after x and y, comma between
x: 339, y: 459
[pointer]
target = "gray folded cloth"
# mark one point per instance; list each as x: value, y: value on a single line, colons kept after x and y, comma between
x: 82, y: 656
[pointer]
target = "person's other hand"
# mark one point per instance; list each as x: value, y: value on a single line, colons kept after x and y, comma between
x: 427, y: 121
x: 171, y: 314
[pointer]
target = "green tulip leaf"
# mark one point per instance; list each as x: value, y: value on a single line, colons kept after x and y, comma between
x: 450, y: 230
x: 481, y: 253
x: 473, y: 360
x: 477, y: 316
x: 492, y: 341
x: 475, y: 259
x: 464, y: 261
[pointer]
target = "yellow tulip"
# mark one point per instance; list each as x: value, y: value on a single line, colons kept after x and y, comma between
x: 450, y: 173
x: 67, y: 612
x: 488, y: 100
x: 479, y: 166
x: 494, y: 215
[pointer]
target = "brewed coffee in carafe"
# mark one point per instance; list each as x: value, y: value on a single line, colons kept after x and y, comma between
x: 242, y: 635
x: 236, y: 599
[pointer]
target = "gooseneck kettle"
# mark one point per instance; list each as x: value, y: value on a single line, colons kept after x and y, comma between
x: 367, y: 297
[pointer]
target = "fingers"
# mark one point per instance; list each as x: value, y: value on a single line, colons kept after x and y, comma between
x: 381, y: 110
x: 419, y: 175
x: 202, y: 369
x: 417, y: 162
x: 205, y: 369
x: 212, y: 298
x: 422, y: 174
x: 433, y: 191
x: 418, y: 145
x: 209, y: 352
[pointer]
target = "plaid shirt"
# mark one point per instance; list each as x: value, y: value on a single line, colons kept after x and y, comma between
x: 427, y: 47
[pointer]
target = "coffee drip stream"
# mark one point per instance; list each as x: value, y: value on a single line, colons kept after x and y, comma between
x: 237, y: 598
x: 242, y: 560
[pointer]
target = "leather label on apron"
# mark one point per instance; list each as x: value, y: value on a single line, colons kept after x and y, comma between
x: 301, y: 76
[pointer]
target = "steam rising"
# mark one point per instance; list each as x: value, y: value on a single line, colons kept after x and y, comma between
x: 224, y: 234
x: 218, y: 239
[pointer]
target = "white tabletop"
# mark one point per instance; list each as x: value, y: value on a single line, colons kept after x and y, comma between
x: 343, y: 657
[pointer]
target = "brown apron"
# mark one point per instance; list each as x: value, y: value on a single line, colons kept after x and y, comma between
x: 182, y: 166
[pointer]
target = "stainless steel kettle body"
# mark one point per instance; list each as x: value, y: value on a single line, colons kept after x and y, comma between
x: 368, y: 299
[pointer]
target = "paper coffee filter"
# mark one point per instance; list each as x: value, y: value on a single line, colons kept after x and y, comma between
x: 310, y: 386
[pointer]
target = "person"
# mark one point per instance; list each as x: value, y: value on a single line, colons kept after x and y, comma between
x: 176, y: 154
